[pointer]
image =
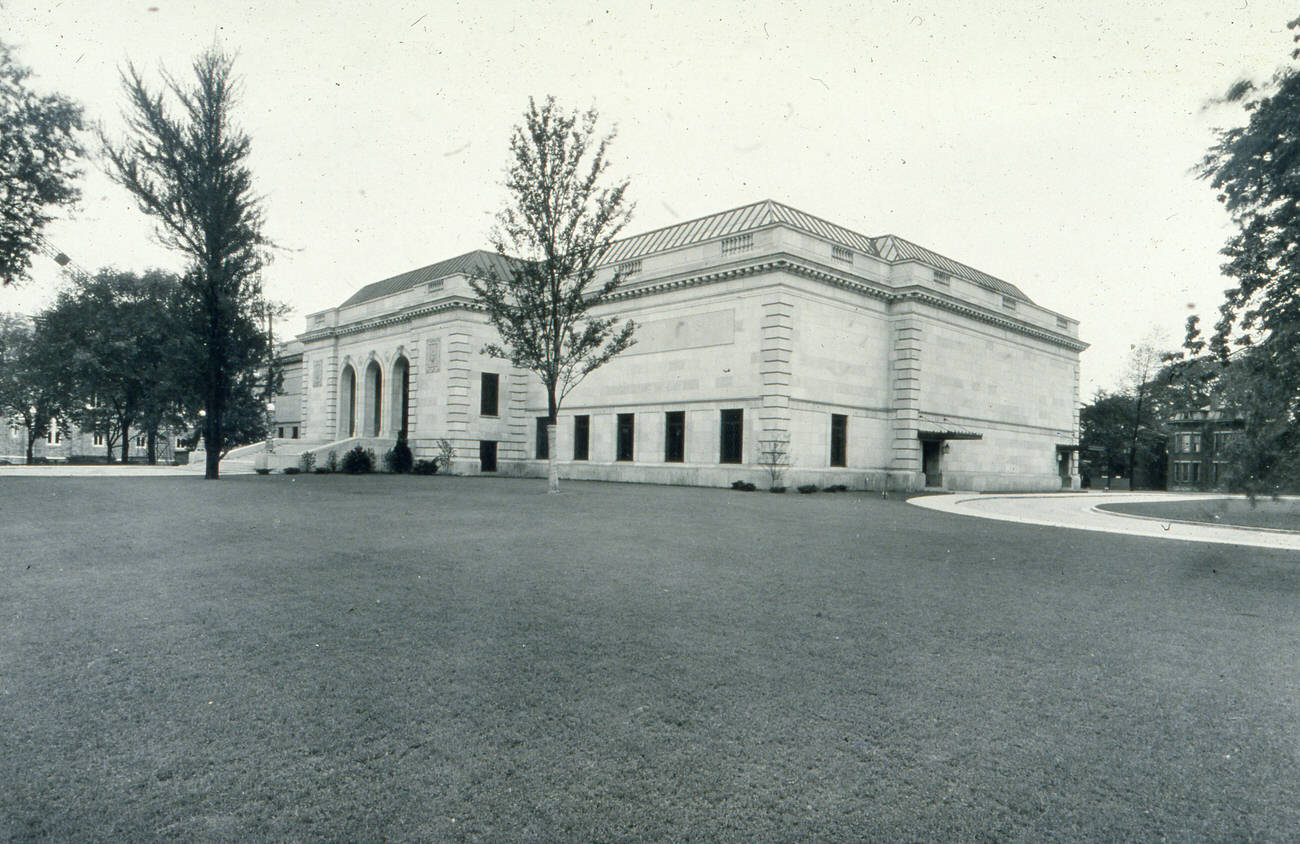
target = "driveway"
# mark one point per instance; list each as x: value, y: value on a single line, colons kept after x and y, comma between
x: 1081, y: 511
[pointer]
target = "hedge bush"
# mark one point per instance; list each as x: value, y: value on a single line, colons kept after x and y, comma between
x: 399, y: 458
x: 358, y: 461
x: 807, y: 489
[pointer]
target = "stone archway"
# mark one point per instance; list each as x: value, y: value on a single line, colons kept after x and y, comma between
x: 347, y: 402
x: 372, y: 400
x: 400, y: 401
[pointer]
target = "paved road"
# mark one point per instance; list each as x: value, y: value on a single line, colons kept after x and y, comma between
x: 115, y: 470
x: 1080, y: 510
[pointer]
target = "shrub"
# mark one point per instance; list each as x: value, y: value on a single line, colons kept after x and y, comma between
x: 332, y: 463
x: 399, y: 458
x: 836, y: 488
x: 807, y: 489
x: 307, y: 462
x: 358, y: 461
x: 425, y: 467
x: 445, y: 454
x: 778, y: 489
x: 262, y: 471
x: 291, y: 470
x: 743, y: 486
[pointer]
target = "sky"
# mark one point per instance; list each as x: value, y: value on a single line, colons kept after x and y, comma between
x: 1053, y: 145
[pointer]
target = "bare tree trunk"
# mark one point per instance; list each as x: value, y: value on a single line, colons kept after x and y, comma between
x: 553, y: 467
x: 126, y: 442
x: 152, y: 448
x: 31, y: 443
x: 552, y: 464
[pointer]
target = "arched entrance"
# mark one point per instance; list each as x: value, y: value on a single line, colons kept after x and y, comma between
x: 372, y: 401
x: 401, y: 398
x: 347, y: 402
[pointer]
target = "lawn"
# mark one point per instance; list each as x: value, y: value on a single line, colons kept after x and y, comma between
x: 358, y: 658
x: 1263, y: 512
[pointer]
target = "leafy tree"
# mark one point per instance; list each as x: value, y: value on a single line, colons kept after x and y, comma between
x: 1256, y: 170
x: 561, y: 219
x: 30, y: 392
x: 38, y: 152
x: 1107, y: 440
x: 120, y: 350
x: 189, y: 172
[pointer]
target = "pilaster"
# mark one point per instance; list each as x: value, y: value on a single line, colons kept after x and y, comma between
x: 775, y: 366
x: 905, y: 365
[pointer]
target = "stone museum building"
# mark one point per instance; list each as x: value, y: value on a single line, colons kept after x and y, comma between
x: 764, y: 335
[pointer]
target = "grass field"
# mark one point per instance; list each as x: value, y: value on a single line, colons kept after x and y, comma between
x: 1263, y: 512
x: 358, y: 658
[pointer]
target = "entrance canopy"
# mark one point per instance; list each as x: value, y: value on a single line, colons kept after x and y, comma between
x: 931, y: 428
x: 947, y: 433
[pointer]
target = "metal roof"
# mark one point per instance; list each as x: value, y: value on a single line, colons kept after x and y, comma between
x: 894, y: 249
x: 480, y: 260
x: 745, y: 218
x: 890, y: 248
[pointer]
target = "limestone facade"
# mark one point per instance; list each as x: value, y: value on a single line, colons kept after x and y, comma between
x: 764, y: 334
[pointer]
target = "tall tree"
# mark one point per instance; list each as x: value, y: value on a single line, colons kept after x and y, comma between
x: 1256, y: 170
x: 38, y: 153
x: 189, y: 172
x: 561, y: 219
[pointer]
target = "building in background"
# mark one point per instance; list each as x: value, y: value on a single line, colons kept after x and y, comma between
x: 764, y: 334
x: 1199, y: 447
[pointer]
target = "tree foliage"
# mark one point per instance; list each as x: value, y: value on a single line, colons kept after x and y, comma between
x: 561, y: 219
x: 1255, y: 168
x: 30, y: 392
x: 122, y: 351
x: 38, y: 154
x: 186, y: 165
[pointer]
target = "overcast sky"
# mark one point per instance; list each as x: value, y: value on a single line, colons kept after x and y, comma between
x: 1050, y: 144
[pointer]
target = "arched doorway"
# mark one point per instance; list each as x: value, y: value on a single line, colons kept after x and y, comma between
x: 401, y: 398
x: 347, y: 402
x: 373, y: 400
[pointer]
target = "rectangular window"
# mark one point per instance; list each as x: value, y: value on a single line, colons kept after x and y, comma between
x: 732, y: 435
x: 839, y: 253
x: 628, y: 268
x: 140, y: 441
x: 543, y: 450
x: 1196, y: 472
x: 581, y: 436
x: 942, y: 278
x: 839, y: 439
x: 675, y: 436
x: 487, y: 455
x: 99, y: 438
x: 626, y: 436
x: 1062, y: 322
x: 295, y: 432
x: 1194, y: 443
x: 1222, y: 441
x: 280, y: 432
x: 487, y: 401
x: 1008, y: 303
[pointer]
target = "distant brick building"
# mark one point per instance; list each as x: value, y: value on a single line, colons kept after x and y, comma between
x: 872, y: 361
x: 1198, y: 449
